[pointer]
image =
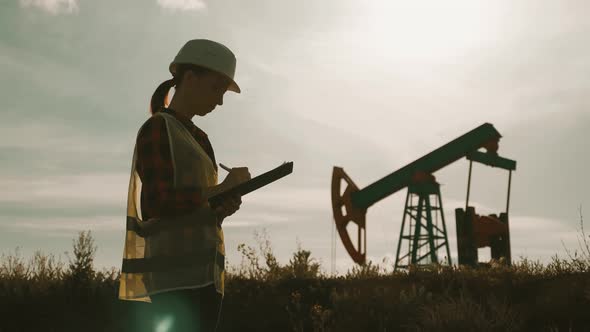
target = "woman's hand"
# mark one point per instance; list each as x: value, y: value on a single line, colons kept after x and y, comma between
x: 229, y: 206
x: 236, y: 176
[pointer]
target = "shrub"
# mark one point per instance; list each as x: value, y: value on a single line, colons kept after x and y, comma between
x: 81, y: 269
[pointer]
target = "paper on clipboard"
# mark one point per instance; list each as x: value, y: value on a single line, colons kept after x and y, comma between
x: 255, y: 183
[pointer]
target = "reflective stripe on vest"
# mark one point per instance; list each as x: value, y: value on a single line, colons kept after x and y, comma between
x: 168, y: 263
x: 159, y: 264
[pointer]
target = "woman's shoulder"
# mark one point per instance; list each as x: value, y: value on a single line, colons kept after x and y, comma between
x: 154, y: 126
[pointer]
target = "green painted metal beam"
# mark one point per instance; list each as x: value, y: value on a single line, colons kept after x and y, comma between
x: 429, y: 163
x: 492, y: 160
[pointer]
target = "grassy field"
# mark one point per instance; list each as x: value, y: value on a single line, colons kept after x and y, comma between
x: 43, y: 294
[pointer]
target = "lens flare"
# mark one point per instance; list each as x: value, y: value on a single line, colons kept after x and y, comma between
x: 165, y: 325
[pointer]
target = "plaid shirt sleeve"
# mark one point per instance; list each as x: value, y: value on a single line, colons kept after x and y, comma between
x: 159, y: 198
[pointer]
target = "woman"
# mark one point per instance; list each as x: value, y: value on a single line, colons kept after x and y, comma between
x: 174, y: 248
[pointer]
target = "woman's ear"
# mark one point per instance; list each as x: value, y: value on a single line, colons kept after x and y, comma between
x: 188, y: 76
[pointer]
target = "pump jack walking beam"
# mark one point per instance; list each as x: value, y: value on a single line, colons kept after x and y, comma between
x: 350, y: 205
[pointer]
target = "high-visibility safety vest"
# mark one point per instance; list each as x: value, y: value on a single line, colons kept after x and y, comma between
x: 178, y: 252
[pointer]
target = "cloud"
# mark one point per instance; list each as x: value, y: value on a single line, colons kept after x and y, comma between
x: 67, y: 225
x: 183, y: 4
x: 53, y: 6
x: 96, y: 188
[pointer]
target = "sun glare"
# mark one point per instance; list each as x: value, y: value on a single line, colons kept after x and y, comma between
x: 425, y: 30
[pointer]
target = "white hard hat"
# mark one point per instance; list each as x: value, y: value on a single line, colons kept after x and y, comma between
x: 208, y: 54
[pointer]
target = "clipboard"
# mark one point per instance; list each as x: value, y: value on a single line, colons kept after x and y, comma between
x: 254, y: 183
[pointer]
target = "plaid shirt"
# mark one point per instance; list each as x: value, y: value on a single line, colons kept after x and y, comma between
x: 159, y: 198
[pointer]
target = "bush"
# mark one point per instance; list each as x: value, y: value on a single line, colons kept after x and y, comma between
x: 81, y: 269
x: 301, y: 265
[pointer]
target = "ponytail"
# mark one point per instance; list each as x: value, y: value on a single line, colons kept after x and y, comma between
x: 160, y: 96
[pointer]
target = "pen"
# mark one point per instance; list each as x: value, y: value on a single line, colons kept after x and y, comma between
x: 225, y: 167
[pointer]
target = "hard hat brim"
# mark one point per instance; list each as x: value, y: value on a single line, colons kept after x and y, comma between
x: 233, y: 86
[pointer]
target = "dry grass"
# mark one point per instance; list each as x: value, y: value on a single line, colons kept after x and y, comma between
x: 264, y: 295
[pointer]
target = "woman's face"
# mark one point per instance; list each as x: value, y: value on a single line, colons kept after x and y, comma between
x: 204, y: 92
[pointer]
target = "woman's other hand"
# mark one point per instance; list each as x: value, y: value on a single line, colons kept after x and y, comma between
x: 229, y: 205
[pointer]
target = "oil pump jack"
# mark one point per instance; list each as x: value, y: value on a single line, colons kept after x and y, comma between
x: 420, y: 228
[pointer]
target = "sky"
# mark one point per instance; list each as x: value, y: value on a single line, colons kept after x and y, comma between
x: 369, y: 86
